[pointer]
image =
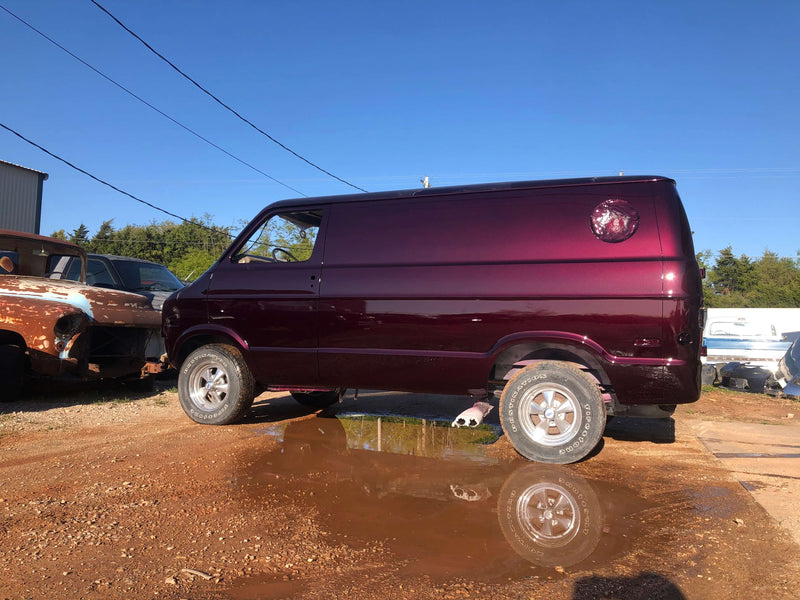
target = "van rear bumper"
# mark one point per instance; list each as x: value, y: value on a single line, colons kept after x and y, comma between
x: 676, y: 383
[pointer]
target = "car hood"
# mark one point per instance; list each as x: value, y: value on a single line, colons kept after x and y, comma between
x: 156, y: 298
x: 110, y: 307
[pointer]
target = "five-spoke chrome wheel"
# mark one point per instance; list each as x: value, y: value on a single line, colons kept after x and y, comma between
x: 553, y: 412
x: 208, y: 385
x: 215, y: 385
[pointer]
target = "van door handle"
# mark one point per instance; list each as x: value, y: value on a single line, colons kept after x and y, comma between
x: 647, y: 343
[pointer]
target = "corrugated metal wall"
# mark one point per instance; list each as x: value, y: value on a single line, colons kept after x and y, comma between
x: 20, y: 198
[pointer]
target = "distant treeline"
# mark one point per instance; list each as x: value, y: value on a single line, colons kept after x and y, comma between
x: 187, y: 248
x: 767, y: 282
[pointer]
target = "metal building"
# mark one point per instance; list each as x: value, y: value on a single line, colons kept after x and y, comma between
x: 20, y: 197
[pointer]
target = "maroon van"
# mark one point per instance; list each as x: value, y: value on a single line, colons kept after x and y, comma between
x: 570, y: 299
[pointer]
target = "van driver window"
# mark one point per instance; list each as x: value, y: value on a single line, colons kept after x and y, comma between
x: 282, y: 238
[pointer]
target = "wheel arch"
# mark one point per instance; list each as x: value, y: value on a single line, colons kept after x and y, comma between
x: 192, y: 339
x: 515, y: 352
x: 12, y: 338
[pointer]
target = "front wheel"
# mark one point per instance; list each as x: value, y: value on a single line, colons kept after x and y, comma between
x: 552, y: 413
x: 215, y: 385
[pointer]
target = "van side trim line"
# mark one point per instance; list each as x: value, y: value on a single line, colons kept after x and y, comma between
x: 527, y: 336
x: 610, y: 358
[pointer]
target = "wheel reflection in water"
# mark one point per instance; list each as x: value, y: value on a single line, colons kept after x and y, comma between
x: 550, y: 516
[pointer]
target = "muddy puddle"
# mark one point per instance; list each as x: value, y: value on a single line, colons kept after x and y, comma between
x: 437, y: 500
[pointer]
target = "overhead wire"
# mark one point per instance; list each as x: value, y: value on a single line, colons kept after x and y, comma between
x: 149, y: 105
x: 220, y: 102
x: 113, y: 187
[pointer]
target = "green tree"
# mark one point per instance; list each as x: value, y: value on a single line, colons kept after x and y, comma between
x: 731, y: 275
x: 101, y: 241
x: 768, y: 282
x: 776, y: 282
x: 80, y: 235
x: 192, y: 264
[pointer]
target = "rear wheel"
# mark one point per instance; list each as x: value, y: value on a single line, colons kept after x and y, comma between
x: 319, y: 399
x: 552, y: 413
x: 215, y: 385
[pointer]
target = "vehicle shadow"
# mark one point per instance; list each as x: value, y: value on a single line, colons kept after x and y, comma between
x: 641, y: 429
x: 268, y: 408
x: 645, y: 586
x: 52, y: 393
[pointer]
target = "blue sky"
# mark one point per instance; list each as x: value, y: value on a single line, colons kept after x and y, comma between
x: 383, y: 93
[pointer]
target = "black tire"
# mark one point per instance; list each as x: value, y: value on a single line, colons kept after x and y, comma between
x: 552, y: 413
x: 319, y: 399
x: 772, y: 387
x: 12, y: 365
x: 549, y: 516
x: 215, y: 386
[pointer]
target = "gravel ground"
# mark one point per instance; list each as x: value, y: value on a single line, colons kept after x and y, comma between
x: 112, y: 494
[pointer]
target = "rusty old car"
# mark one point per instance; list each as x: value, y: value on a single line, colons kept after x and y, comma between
x: 52, y: 327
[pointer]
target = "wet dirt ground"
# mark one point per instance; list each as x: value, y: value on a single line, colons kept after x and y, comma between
x: 110, y: 494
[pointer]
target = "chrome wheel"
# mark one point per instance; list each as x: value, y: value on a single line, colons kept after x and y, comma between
x: 553, y: 412
x: 550, y: 414
x: 208, y: 385
x: 215, y: 385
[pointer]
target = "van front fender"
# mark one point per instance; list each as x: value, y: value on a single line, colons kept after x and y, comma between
x: 200, y: 335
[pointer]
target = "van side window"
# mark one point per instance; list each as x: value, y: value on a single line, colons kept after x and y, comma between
x: 282, y: 238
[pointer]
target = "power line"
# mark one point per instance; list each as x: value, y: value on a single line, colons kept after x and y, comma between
x: 146, y: 103
x: 113, y: 187
x: 220, y: 102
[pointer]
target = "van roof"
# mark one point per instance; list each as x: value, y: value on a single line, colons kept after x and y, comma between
x: 480, y: 187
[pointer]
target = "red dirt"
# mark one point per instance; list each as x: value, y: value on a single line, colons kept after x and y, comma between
x: 129, y: 499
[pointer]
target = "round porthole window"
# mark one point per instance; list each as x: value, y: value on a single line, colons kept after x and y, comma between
x: 614, y: 220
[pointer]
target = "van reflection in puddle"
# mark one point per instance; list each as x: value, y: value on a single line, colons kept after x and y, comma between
x: 438, y: 501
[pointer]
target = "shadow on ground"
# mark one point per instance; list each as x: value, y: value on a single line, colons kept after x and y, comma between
x: 639, y: 429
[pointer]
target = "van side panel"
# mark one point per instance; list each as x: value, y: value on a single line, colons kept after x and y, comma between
x: 426, y: 292
x: 507, y: 226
